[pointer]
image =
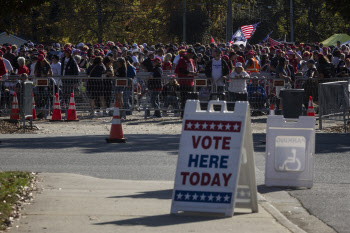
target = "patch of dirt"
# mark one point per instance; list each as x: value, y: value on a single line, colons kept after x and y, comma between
x: 10, y: 128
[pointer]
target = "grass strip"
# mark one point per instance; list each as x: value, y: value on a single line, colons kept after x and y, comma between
x: 12, y: 189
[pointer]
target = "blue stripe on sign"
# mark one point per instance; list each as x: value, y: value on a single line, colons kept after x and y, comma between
x: 202, y: 197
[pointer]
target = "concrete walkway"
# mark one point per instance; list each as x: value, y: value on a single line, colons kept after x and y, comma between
x: 74, y: 203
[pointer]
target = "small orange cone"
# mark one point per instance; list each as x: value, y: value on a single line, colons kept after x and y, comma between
x: 34, y: 111
x: 272, y: 110
x: 72, y: 112
x: 310, y: 108
x: 56, y: 113
x: 14, y: 110
x: 116, y: 135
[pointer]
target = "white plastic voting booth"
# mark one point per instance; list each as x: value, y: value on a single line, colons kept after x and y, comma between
x: 215, y: 169
x: 290, y: 149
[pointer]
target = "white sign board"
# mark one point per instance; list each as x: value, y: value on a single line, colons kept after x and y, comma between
x: 290, y: 148
x: 215, y: 167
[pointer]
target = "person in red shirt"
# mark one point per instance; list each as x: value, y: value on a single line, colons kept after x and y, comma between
x: 167, y: 62
x: 186, y: 71
x: 23, y: 69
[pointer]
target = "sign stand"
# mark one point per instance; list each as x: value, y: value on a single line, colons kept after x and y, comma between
x: 215, y: 169
x: 290, y: 147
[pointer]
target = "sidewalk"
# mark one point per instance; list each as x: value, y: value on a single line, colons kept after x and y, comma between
x: 74, y: 203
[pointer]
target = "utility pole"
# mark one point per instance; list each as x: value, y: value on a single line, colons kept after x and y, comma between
x: 99, y: 20
x: 291, y: 22
x: 229, y: 21
x: 184, y: 21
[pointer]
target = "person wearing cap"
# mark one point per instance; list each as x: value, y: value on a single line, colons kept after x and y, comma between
x: 252, y: 65
x: 292, y: 60
x: 237, y: 89
x: 147, y: 64
x: 186, y: 72
x: 42, y: 67
x: 217, y: 70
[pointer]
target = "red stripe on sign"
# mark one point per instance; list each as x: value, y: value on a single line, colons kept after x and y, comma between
x: 211, y: 126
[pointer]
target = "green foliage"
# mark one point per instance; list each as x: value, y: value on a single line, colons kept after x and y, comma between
x: 11, y: 186
x: 161, y: 21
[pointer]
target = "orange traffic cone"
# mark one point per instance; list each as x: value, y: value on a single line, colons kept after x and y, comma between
x: 56, y: 113
x: 72, y: 113
x: 34, y: 111
x: 310, y: 108
x: 14, y: 110
x: 116, y: 135
x: 272, y: 110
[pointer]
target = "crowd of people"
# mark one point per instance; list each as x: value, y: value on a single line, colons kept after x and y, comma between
x: 227, y: 67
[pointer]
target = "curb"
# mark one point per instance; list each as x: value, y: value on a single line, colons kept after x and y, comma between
x: 280, y: 218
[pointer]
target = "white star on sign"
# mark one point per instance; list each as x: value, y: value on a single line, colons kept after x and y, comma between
x: 212, y: 126
x: 235, y: 127
x: 189, y: 125
x: 204, y: 126
x: 226, y: 198
x: 195, y: 196
x: 187, y: 196
x: 196, y: 126
x: 179, y: 196
x: 220, y: 126
x: 228, y: 126
x: 210, y: 197
x: 202, y: 197
x: 218, y: 197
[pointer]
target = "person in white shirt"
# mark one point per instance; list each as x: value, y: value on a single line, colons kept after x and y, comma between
x: 56, y: 69
x: 237, y: 89
x: 160, y: 54
x: 32, y: 66
x: 9, y: 68
x: 135, y: 57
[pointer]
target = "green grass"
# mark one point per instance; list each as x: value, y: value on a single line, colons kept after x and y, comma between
x: 11, y: 183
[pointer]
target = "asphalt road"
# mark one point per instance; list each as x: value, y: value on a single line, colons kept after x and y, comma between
x: 154, y: 156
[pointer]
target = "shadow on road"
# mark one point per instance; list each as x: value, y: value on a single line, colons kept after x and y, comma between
x: 166, y: 220
x: 97, y: 143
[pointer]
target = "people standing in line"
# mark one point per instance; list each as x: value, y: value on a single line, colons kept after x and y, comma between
x: 95, y: 87
x: 186, y: 72
x: 217, y: 70
x: 69, y: 67
x: 155, y: 86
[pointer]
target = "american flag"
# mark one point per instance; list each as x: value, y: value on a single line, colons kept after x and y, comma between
x: 273, y: 42
x: 248, y: 30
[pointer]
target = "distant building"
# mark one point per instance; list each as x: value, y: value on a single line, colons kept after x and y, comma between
x: 11, y: 39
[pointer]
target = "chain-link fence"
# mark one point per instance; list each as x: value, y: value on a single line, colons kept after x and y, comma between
x: 163, y: 96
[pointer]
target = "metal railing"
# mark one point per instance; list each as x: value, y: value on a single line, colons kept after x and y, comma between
x: 145, y: 93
